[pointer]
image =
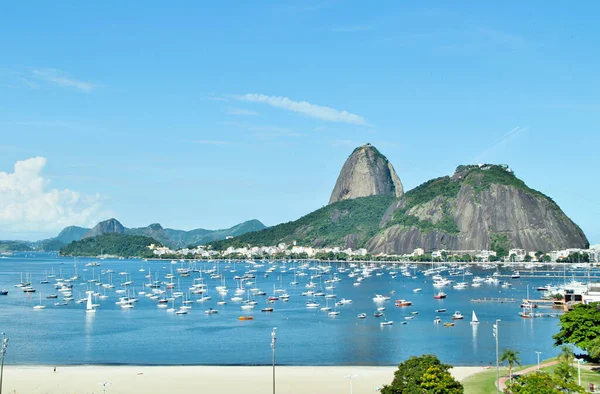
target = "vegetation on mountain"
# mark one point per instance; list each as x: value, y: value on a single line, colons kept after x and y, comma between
x: 70, y: 234
x: 500, y: 244
x: 50, y: 245
x: 333, y: 225
x: 14, y: 246
x: 111, y: 244
x: 580, y: 326
x: 423, y: 374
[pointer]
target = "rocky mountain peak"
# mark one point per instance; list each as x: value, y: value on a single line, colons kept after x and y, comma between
x: 366, y: 173
x: 106, y: 227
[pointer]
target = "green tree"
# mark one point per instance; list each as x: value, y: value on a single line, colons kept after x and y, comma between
x: 541, y: 382
x: 594, y: 348
x: 436, y: 380
x: 416, y: 375
x: 580, y: 326
x: 538, y: 255
x: 527, y: 257
x: 511, y: 357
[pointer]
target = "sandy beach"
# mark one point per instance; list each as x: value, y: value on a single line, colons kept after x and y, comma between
x: 200, y: 379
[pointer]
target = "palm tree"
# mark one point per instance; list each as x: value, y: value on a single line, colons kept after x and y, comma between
x: 512, y: 358
x: 566, y: 354
x: 564, y: 369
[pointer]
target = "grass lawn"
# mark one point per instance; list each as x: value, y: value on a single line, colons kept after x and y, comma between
x: 587, y: 376
x: 483, y: 382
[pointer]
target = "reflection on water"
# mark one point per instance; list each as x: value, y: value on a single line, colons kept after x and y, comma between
x: 474, y: 328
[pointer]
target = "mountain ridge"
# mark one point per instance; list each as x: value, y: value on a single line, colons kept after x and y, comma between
x: 479, y: 207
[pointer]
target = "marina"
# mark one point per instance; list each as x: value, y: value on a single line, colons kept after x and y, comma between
x: 129, y: 311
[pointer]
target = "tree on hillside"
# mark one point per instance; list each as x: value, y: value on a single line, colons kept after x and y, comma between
x: 580, y: 326
x: 511, y: 357
x: 423, y: 374
x: 541, y: 382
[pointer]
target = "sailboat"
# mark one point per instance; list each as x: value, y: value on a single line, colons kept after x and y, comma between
x: 40, y: 306
x: 89, y: 306
x: 474, y: 320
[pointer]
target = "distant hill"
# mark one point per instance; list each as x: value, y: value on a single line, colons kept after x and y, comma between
x: 14, y: 246
x: 71, y: 233
x: 113, y: 244
x: 169, y: 237
x: 478, y: 207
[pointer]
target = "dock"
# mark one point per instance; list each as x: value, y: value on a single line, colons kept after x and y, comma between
x: 497, y: 300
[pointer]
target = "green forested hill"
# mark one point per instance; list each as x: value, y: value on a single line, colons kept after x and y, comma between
x: 111, y: 244
x: 346, y: 223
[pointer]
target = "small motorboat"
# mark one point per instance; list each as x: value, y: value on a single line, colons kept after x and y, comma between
x: 440, y: 296
x: 362, y: 316
x: 269, y: 309
x: 457, y: 316
x: 437, y: 320
x: 440, y: 310
x: 378, y: 314
x: 210, y: 311
x: 386, y: 323
x: 403, y: 303
x: 449, y: 324
x: 246, y: 318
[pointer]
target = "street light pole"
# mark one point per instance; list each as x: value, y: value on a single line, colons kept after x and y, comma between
x: 578, y: 371
x: 496, y: 334
x: 538, y: 354
x: 351, y: 377
x: 273, y: 340
x: 2, y: 353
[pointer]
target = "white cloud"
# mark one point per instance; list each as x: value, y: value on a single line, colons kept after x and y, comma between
x: 27, y: 205
x: 305, y: 108
x: 241, y: 112
x: 57, y: 78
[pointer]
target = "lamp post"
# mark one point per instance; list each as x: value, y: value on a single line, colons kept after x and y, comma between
x: 579, y: 361
x: 104, y: 384
x: 538, y: 354
x: 496, y: 327
x: 273, y: 340
x: 2, y: 353
x: 351, y: 377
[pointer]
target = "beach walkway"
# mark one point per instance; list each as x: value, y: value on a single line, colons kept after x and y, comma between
x: 501, y: 383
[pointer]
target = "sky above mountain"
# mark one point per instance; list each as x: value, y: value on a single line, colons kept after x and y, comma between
x: 206, y: 114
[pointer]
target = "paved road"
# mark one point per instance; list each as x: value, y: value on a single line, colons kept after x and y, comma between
x: 501, y: 383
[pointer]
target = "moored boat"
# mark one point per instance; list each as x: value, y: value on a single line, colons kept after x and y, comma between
x: 440, y: 295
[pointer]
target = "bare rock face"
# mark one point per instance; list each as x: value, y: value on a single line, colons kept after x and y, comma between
x: 466, y: 211
x: 366, y: 173
x: 106, y: 227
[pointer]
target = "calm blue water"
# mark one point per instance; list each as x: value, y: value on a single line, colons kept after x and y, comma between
x: 148, y: 335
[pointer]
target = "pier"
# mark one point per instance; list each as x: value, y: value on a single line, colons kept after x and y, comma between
x: 497, y: 300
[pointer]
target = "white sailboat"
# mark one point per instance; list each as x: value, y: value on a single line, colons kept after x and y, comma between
x: 40, y: 306
x: 474, y: 320
x: 89, y: 306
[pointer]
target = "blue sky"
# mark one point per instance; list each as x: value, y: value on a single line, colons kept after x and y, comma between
x: 206, y: 114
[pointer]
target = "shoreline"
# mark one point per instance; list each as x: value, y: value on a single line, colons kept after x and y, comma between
x: 203, y: 378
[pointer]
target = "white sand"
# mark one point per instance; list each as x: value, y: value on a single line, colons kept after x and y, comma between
x: 200, y: 379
